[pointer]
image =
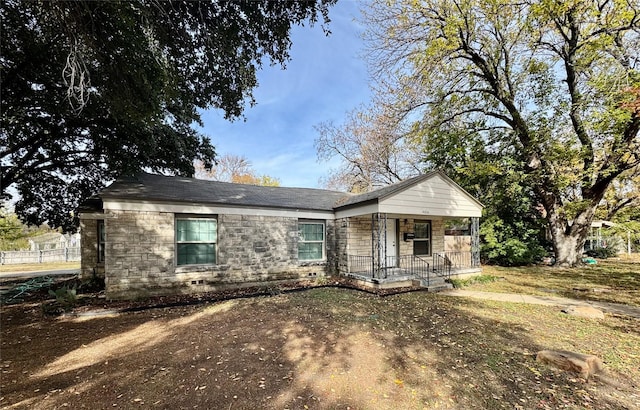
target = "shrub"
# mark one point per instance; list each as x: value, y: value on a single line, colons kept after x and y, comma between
x: 602, y: 253
x: 66, y: 297
x: 508, y: 244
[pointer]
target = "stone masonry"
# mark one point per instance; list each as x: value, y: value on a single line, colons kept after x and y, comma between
x: 251, y: 250
x: 359, y: 236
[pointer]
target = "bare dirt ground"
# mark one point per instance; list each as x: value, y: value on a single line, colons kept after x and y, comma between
x: 322, y: 348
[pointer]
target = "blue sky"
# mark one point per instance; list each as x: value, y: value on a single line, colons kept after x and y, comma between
x: 325, y: 78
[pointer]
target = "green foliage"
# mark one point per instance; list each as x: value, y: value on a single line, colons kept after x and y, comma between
x: 94, y: 90
x: 461, y: 283
x: 11, y: 232
x: 510, y: 243
x: 602, y: 253
x: 14, y: 235
x: 540, y: 97
x: 66, y: 298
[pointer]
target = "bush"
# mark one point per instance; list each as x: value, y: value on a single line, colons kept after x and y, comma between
x: 508, y: 244
x: 602, y: 253
x: 66, y: 298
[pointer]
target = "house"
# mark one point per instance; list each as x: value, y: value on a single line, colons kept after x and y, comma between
x: 153, y: 235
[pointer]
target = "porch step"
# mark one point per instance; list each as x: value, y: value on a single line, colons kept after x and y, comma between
x: 436, y: 285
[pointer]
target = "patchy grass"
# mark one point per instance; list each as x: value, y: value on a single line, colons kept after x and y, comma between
x: 33, y: 267
x: 322, y: 348
x: 461, y: 283
x: 610, y: 280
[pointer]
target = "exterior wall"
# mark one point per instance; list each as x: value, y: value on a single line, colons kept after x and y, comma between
x: 140, y: 249
x: 89, y: 250
x: 359, y: 236
x: 434, y: 196
x: 457, y: 243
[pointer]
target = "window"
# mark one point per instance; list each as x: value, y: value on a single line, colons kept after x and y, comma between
x: 311, y: 241
x: 101, y: 240
x: 422, y: 240
x: 196, y: 241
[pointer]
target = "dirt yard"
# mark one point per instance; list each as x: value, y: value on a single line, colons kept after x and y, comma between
x: 324, y: 348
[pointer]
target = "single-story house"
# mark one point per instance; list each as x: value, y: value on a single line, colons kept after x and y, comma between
x: 153, y: 235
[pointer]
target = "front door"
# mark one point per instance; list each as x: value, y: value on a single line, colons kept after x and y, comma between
x: 390, y: 260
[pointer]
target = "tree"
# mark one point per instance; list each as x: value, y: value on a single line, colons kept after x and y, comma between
x: 236, y: 169
x: 371, y: 150
x: 93, y: 90
x: 551, y: 83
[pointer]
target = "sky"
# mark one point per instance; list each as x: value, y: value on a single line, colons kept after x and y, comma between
x: 325, y: 78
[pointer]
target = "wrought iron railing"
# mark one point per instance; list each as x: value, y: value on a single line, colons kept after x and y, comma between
x: 367, y: 266
x: 460, y: 260
x: 415, y: 265
x: 441, y: 265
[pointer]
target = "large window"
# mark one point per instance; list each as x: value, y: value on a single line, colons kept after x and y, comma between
x: 422, y: 240
x: 102, y: 238
x: 196, y: 241
x: 311, y: 241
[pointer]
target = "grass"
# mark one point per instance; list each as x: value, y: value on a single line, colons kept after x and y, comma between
x: 29, y: 267
x: 323, y: 348
x: 614, y: 280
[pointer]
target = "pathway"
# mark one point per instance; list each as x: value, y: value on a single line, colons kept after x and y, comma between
x: 606, y: 307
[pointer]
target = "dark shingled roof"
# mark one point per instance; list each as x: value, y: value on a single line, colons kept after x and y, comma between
x: 148, y: 187
x: 153, y: 188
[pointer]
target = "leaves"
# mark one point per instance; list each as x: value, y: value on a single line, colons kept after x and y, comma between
x: 95, y: 90
x: 546, y: 89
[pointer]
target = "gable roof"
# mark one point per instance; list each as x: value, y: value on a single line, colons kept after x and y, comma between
x: 159, y: 188
x: 149, y: 187
x: 389, y: 190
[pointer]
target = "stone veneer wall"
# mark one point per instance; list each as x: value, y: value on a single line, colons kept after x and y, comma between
x: 89, y: 249
x: 250, y: 250
x: 359, y: 236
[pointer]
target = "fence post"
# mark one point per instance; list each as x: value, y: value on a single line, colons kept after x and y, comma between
x: 39, y: 256
x: 66, y: 254
x: 2, y: 258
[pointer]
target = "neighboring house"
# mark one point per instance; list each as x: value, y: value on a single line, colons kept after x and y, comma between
x: 152, y: 235
x: 54, y: 240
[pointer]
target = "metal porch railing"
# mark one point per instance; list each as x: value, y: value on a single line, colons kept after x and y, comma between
x: 442, y: 265
x: 367, y: 266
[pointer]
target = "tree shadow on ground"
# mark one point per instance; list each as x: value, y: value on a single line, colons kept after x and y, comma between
x: 322, y: 348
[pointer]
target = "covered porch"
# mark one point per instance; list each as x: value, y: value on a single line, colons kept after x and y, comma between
x: 397, y: 237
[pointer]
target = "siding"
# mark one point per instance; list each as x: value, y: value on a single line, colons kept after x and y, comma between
x: 433, y: 197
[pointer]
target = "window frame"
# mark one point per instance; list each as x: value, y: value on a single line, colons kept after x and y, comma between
x: 323, y: 241
x: 178, y: 242
x: 428, y: 240
x: 102, y: 240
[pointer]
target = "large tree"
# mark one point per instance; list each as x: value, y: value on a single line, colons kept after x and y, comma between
x: 552, y: 84
x: 92, y: 90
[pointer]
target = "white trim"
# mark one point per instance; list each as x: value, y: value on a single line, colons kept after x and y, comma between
x: 177, y: 242
x: 96, y: 215
x: 358, y: 211
x: 324, y: 240
x: 203, y: 209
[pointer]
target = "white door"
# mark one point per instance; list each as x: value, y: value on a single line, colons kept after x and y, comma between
x: 390, y: 257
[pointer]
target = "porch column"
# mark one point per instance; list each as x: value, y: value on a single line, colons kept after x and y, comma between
x: 475, y: 242
x: 378, y: 244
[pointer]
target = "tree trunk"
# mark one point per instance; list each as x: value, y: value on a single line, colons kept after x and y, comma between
x: 568, y: 239
x: 568, y: 250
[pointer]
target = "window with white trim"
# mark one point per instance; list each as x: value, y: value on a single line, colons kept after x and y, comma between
x: 422, y: 240
x: 196, y: 240
x: 311, y: 240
